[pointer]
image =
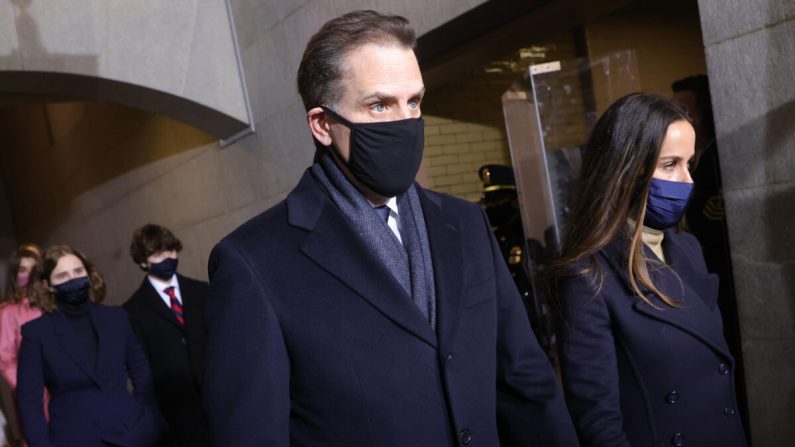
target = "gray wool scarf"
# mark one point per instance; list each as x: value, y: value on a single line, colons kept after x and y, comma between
x: 410, y: 262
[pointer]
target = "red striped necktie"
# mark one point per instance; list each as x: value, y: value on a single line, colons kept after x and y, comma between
x: 175, y: 306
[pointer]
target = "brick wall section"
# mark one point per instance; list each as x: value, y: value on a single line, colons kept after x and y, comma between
x: 464, y: 126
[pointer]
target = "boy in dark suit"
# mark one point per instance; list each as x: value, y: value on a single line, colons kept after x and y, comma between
x: 167, y: 316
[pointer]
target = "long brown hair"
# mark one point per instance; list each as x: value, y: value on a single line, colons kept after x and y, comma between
x: 14, y: 293
x: 618, y: 165
x: 51, y: 257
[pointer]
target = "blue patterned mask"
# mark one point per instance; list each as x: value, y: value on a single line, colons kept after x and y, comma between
x: 667, y: 203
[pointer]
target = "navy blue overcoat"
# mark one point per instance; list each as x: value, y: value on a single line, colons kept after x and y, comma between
x: 313, y: 343
x: 90, y: 405
x: 639, y: 376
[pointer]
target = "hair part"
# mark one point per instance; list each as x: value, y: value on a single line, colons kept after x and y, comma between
x: 618, y: 164
x: 324, y: 63
x: 53, y: 254
x: 151, y: 239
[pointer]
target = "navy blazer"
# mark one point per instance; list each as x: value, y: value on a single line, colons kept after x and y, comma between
x: 313, y: 343
x: 88, y: 405
x: 176, y: 355
x: 639, y: 376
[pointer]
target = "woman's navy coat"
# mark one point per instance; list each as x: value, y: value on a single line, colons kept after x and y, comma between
x: 89, y: 404
x: 638, y: 376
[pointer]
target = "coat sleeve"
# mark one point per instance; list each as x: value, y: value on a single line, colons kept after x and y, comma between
x: 137, y: 365
x: 530, y: 407
x: 588, y: 364
x: 132, y: 316
x: 247, y: 376
x: 30, y: 392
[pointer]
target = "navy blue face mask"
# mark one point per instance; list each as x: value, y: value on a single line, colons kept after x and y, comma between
x: 667, y: 203
x: 164, y: 269
x: 385, y: 156
x: 73, y: 292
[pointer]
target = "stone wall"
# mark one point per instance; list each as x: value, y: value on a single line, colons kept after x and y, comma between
x: 750, y: 48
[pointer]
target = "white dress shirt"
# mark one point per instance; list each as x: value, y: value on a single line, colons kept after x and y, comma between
x: 161, y: 286
x: 393, y: 221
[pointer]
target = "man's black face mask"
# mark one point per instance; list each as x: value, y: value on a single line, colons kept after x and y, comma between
x: 385, y: 156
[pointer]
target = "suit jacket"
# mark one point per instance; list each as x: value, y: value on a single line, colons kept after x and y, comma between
x: 312, y: 342
x: 88, y: 404
x: 640, y: 376
x: 176, y: 355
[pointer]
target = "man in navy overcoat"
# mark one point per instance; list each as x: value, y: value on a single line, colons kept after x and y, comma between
x: 364, y: 310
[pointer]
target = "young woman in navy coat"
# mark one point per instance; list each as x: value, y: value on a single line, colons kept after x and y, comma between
x: 83, y: 354
x: 643, y: 357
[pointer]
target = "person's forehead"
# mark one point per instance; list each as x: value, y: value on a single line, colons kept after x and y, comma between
x: 68, y: 262
x: 378, y: 65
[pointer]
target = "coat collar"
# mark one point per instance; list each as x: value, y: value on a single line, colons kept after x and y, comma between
x: 334, y: 246
x: 66, y: 337
x: 695, y: 290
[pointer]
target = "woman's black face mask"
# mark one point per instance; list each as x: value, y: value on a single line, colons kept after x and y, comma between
x: 385, y: 156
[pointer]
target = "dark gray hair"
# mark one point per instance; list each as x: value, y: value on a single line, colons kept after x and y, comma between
x: 322, y: 65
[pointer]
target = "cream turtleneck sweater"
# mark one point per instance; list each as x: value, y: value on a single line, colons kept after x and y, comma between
x: 653, y: 239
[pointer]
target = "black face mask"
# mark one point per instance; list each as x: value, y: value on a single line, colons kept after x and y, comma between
x: 164, y: 269
x: 385, y: 156
x: 73, y: 292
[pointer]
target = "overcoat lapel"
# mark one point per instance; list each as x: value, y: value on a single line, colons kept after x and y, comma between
x: 155, y: 304
x: 106, y: 333
x: 447, y: 257
x: 335, y: 247
x: 694, y: 291
x: 66, y: 338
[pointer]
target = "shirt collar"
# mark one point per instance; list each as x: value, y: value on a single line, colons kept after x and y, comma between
x: 162, y: 285
x: 392, y: 205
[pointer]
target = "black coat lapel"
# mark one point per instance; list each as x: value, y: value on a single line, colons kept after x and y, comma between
x: 105, y: 335
x: 334, y: 246
x: 155, y: 303
x: 66, y: 338
x: 447, y: 257
x: 684, y: 284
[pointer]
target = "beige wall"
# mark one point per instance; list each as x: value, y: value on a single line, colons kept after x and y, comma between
x: 665, y: 36
x: 465, y: 128
x: 88, y: 174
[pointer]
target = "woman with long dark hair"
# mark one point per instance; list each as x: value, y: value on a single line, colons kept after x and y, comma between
x: 643, y: 356
x: 20, y: 305
x: 83, y: 353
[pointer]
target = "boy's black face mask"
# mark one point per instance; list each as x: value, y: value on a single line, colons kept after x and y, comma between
x: 385, y: 156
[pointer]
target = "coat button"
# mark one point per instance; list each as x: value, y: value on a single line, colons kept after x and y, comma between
x: 729, y: 412
x: 184, y: 341
x: 678, y: 440
x: 723, y: 369
x: 672, y: 397
x: 466, y: 436
x: 450, y: 357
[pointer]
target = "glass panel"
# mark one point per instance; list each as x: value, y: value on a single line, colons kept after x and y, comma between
x: 549, y: 113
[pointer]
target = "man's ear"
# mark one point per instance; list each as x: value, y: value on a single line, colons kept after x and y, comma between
x: 319, y: 125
